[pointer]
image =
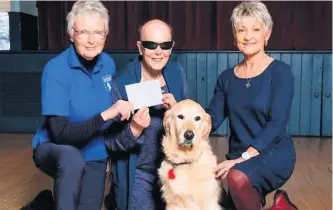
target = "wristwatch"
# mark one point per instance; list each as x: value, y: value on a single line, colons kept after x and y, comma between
x: 246, y: 155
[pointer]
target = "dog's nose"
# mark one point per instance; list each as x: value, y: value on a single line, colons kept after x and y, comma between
x: 189, y: 135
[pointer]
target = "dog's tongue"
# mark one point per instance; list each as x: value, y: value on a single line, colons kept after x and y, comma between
x: 171, y: 174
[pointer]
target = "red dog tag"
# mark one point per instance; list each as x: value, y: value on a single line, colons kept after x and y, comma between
x: 172, y: 174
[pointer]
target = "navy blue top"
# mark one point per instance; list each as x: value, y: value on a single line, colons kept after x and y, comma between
x: 129, y: 153
x: 149, y: 153
x: 69, y: 90
x: 258, y: 115
x: 122, y: 139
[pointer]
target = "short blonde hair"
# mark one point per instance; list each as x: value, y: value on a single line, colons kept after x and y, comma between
x: 87, y: 6
x: 252, y: 9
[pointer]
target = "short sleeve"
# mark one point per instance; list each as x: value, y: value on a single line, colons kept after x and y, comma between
x: 55, y: 91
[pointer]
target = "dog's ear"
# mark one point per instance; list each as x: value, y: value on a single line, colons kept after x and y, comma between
x: 166, y: 121
x: 207, y: 126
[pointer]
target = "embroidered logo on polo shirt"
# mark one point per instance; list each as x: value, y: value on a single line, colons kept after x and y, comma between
x: 107, y: 82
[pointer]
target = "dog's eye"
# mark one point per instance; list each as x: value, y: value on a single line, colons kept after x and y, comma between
x: 197, y: 118
x: 180, y: 116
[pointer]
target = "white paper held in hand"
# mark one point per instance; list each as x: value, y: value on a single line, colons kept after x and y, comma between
x: 144, y: 94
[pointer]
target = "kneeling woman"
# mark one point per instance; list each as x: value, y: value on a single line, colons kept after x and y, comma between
x: 256, y: 95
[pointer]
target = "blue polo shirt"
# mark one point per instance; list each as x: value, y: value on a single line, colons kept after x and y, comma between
x: 69, y: 90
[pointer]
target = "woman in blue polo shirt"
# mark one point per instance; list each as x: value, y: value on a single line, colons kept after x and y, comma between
x: 78, y: 105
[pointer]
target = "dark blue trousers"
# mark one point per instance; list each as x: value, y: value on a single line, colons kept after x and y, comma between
x: 78, y: 185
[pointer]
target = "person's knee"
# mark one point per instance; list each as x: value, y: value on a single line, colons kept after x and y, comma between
x: 236, y: 179
x: 71, y: 160
x: 41, y: 152
x: 43, y: 157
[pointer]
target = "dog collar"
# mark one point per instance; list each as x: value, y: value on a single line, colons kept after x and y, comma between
x: 171, y: 172
x: 175, y: 165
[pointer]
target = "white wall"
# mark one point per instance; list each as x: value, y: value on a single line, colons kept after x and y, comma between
x: 28, y: 7
x: 4, y: 5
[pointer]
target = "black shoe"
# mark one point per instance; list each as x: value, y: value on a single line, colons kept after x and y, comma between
x: 43, y: 201
x: 109, y: 202
x: 226, y: 201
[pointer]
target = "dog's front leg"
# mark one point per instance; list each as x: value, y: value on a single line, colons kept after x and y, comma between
x: 171, y: 207
x: 174, y: 207
x: 214, y: 206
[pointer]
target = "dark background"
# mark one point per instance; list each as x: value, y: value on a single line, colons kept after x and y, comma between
x: 198, y: 25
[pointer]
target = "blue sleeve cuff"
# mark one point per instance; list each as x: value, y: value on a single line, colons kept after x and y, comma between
x: 105, y: 125
x: 130, y: 135
x: 259, y: 147
x: 40, y: 136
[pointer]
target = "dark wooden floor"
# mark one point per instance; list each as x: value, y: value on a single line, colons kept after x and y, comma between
x: 310, y: 187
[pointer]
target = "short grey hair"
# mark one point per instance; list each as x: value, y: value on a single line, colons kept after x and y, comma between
x: 87, y: 6
x: 252, y: 9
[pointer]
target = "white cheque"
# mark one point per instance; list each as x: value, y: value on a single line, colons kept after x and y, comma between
x: 144, y: 94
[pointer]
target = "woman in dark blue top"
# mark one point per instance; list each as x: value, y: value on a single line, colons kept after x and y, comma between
x: 256, y: 95
x: 136, y: 147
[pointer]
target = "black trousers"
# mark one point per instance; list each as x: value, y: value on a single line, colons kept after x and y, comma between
x: 78, y: 185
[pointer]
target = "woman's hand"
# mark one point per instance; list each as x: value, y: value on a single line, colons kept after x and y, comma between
x: 124, y: 108
x: 223, y: 168
x: 140, y: 121
x: 168, y: 100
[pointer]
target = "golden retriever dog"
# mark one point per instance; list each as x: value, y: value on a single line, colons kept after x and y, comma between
x: 186, y: 174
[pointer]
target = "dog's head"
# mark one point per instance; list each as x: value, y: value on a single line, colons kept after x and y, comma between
x: 187, y: 123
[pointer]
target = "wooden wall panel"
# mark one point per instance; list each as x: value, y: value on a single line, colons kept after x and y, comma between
x: 316, y: 93
x: 296, y: 68
x: 326, y: 110
x: 311, y: 112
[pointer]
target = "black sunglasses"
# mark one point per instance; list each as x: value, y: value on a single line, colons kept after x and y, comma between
x: 153, y: 45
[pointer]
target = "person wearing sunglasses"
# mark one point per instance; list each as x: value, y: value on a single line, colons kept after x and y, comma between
x: 134, y: 169
x: 78, y: 106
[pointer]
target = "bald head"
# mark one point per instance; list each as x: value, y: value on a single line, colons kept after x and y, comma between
x: 155, y: 28
x: 156, y: 54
